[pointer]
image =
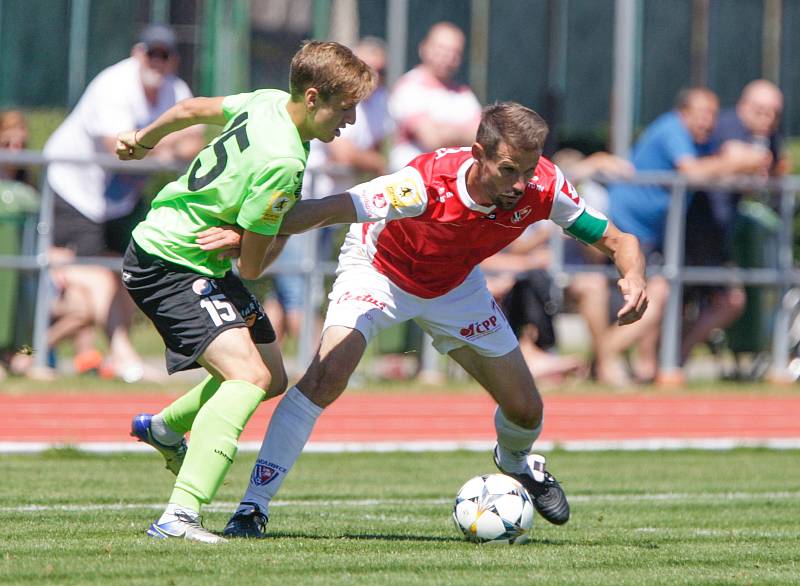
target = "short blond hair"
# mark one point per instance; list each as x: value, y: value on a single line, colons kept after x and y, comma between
x: 332, y: 69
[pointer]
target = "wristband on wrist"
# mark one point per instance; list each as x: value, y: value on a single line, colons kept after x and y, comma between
x: 136, y: 140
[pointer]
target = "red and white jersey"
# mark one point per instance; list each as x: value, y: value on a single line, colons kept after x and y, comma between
x: 430, y: 233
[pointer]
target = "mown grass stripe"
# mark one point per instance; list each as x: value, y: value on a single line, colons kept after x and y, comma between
x: 228, y: 506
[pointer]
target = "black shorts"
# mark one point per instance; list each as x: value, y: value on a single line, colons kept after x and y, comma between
x: 71, y: 229
x: 188, y: 309
x: 530, y: 301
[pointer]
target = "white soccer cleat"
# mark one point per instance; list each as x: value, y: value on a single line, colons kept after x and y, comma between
x: 185, y: 526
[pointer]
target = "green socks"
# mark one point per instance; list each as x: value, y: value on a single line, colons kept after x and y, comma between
x: 179, y: 415
x: 214, y: 441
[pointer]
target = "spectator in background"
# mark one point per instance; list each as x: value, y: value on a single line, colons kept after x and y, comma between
x: 333, y: 167
x: 430, y: 108
x: 359, y: 150
x: 676, y: 141
x: 96, y: 209
x: 13, y: 137
x: 711, y: 215
x: 525, y: 290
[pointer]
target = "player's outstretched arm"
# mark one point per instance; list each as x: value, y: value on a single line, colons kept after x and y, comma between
x: 316, y: 213
x: 623, y: 249
x: 135, y: 144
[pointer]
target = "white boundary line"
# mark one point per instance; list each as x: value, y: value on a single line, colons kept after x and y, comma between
x: 643, y: 444
x: 221, y: 507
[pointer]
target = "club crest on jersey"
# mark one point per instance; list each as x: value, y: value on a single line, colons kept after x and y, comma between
x: 520, y: 215
x: 265, y: 472
x: 203, y: 286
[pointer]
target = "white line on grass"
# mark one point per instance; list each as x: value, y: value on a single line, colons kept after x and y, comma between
x: 359, y: 503
x: 643, y: 444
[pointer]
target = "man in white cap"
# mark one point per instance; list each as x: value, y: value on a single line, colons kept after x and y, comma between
x: 96, y: 209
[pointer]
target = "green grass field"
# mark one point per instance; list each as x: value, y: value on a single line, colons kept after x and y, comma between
x: 638, y: 518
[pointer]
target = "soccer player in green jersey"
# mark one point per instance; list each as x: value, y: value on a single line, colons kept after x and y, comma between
x: 249, y: 176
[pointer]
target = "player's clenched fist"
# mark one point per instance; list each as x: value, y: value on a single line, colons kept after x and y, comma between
x: 128, y: 147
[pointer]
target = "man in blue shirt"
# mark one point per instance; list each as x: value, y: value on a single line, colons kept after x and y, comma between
x: 711, y: 217
x: 677, y: 141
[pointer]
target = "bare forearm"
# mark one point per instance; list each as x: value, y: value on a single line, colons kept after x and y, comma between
x: 316, y: 213
x: 274, y: 251
x: 182, y: 115
x: 624, y: 250
x: 629, y: 258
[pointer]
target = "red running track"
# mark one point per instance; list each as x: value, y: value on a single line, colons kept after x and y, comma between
x: 368, y: 418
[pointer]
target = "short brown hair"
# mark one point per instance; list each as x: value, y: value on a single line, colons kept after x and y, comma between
x: 332, y: 69
x: 514, y: 124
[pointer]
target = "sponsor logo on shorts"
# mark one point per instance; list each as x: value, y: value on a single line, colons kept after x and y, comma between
x: 265, y: 472
x: 520, y: 215
x: 126, y: 276
x: 481, y: 328
x: 202, y: 286
x: 252, y: 312
x: 364, y: 297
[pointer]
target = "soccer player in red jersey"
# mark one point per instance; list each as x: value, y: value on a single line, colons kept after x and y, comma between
x: 412, y: 253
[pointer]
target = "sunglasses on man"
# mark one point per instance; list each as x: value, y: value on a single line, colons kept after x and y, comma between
x: 159, y: 53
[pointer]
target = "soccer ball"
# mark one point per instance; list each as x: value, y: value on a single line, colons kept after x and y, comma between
x: 493, y: 508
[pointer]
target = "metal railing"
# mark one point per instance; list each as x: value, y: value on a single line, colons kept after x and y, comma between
x: 784, y: 276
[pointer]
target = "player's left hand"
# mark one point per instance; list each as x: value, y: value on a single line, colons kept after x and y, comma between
x: 634, y: 291
x: 226, y: 238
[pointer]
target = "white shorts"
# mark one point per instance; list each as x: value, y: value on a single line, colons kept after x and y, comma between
x: 365, y: 300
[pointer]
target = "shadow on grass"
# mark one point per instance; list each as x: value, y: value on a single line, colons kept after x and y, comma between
x: 362, y: 536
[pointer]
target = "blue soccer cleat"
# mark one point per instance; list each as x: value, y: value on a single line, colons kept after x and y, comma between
x: 174, y: 455
x: 185, y: 526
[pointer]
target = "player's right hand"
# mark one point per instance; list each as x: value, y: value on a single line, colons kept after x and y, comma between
x: 226, y: 238
x: 127, y: 148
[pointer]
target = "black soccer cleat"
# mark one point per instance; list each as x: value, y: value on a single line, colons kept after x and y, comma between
x: 248, y: 522
x: 545, y: 492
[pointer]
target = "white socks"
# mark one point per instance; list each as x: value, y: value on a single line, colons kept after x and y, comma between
x: 163, y: 433
x: 286, y: 436
x: 513, y: 443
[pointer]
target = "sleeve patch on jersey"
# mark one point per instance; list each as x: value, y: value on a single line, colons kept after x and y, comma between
x: 404, y: 190
x: 589, y: 227
x: 279, y: 204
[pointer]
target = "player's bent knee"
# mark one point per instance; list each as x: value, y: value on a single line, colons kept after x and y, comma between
x: 277, y: 385
x: 259, y: 376
x: 322, y: 386
x: 525, y: 412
